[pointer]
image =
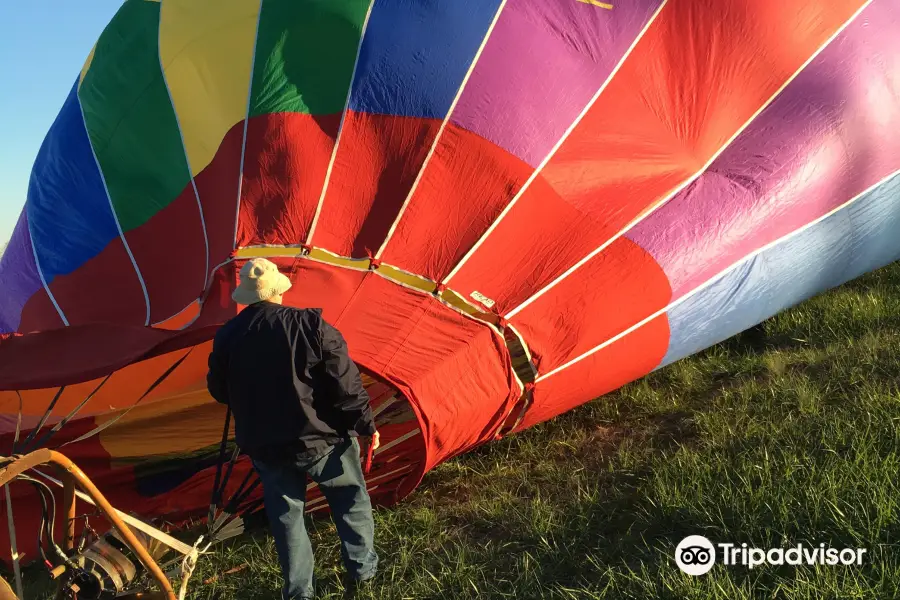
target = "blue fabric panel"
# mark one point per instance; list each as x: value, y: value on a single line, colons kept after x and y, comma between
x: 416, y: 53
x: 68, y: 210
x: 853, y: 241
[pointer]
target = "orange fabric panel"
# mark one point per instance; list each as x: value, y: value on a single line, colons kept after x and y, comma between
x: 466, y: 386
x: 119, y: 393
x: 700, y: 73
x: 182, y: 319
x: 177, y: 424
x: 455, y: 371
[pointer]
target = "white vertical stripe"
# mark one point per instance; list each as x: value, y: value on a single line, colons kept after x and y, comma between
x: 337, y: 141
x: 689, y: 180
x: 237, y: 211
x: 709, y: 282
x: 440, y: 132
x: 555, y: 148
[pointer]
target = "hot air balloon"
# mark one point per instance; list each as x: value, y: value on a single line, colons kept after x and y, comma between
x: 508, y: 207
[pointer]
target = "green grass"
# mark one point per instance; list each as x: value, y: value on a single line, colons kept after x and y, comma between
x: 784, y: 435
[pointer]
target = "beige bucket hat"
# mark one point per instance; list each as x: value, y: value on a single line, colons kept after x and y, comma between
x: 260, y: 280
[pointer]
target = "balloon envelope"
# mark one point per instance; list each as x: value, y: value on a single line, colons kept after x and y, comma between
x: 508, y: 207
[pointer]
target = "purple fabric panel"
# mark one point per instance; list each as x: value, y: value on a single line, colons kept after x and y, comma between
x: 542, y: 64
x: 828, y: 137
x: 18, y: 276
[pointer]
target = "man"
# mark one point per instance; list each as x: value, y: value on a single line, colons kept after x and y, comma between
x: 299, y: 405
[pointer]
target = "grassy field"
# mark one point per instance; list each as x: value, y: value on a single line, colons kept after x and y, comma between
x: 787, y: 434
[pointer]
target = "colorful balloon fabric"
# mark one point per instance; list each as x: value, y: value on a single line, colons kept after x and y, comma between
x: 508, y: 207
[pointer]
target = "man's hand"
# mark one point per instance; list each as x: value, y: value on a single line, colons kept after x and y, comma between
x: 371, y: 445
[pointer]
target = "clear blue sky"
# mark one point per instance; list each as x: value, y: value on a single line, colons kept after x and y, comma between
x: 43, y: 45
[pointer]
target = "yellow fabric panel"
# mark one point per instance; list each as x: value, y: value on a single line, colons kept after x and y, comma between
x: 267, y: 252
x: 175, y: 425
x: 457, y: 301
x: 416, y: 281
x: 315, y: 253
x: 87, y: 65
x: 333, y: 259
x: 206, y: 49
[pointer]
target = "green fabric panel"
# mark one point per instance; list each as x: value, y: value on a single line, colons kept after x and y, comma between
x: 130, y: 119
x: 305, y: 52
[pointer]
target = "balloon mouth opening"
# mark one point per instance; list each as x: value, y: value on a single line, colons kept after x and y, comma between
x: 172, y: 478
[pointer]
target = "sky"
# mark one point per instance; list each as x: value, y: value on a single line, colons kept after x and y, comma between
x: 43, y: 45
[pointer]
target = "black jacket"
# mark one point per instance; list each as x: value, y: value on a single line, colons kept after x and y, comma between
x: 289, y: 381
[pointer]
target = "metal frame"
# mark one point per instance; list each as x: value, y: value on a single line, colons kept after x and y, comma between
x: 74, y: 477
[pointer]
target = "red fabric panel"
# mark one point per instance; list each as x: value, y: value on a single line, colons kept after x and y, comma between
x: 171, y: 254
x: 105, y: 288
x: 39, y: 313
x: 217, y: 186
x: 700, y: 73
x: 80, y: 353
x: 627, y: 359
x: 118, y: 392
x: 455, y: 372
x: 379, y: 320
x: 217, y: 305
x: 321, y: 286
x: 609, y: 295
x: 467, y: 184
x: 466, y: 386
x: 287, y: 155
x: 376, y: 164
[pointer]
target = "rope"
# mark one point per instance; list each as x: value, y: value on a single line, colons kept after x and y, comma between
x: 224, y: 523
x: 62, y: 423
x: 149, y: 530
x: 17, y: 568
x: 44, y: 418
x: 218, y: 484
x: 189, y: 564
x: 112, y: 422
x: 18, y: 424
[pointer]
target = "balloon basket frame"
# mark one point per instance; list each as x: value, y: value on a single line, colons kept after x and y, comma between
x: 75, y: 483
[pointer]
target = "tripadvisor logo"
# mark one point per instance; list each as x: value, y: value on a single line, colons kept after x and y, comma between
x: 696, y: 555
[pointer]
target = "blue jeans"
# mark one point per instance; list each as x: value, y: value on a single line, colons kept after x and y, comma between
x: 340, y: 477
